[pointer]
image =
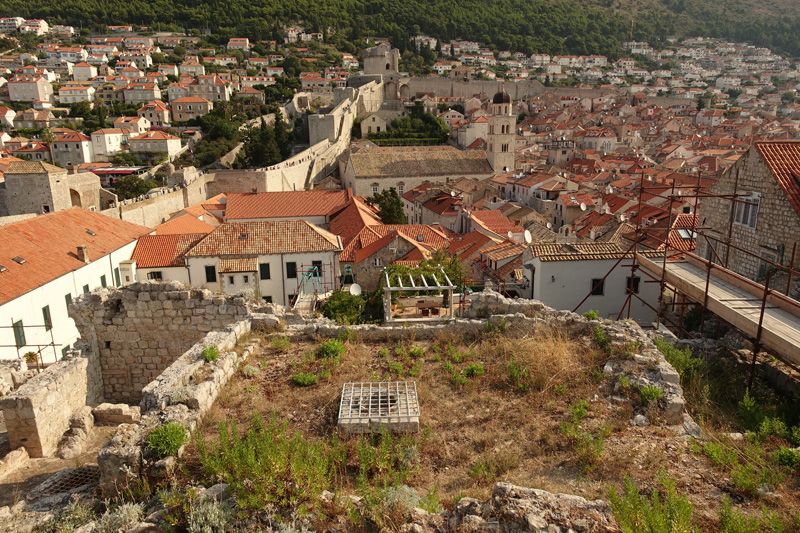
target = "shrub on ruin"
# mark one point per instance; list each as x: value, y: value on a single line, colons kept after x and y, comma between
x: 650, y: 394
x: 330, y: 349
x: 280, y: 343
x: 591, y: 314
x: 210, y: 353
x: 304, y: 379
x: 663, y: 512
x: 250, y: 371
x: 209, y: 516
x: 121, y: 518
x: 166, y: 440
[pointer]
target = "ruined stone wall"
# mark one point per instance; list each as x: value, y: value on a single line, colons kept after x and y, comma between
x: 38, y: 413
x: 138, y: 331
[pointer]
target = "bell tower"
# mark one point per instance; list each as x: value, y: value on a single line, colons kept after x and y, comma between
x: 502, y: 135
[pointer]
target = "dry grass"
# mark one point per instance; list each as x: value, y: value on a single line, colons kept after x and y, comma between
x: 485, y: 430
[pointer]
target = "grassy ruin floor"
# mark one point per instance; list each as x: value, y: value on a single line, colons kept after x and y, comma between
x: 498, y: 425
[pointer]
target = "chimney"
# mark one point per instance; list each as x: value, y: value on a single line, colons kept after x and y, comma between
x: 83, y: 253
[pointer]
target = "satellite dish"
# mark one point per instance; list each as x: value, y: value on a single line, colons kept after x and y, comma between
x: 549, y: 226
x: 607, y: 210
x: 527, y: 236
x: 610, y: 189
x: 622, y: 218
x: 510, y: 235
x: 355, y: 289
x: 583, y: 206
x: 680, y: 193
x: 452, y: 193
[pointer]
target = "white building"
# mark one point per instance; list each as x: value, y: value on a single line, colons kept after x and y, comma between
x: 108, y: 142
x: 267, y: 257
x: 564, y: 275
x: 48, y: 260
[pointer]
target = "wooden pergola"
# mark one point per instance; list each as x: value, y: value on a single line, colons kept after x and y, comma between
x: 415, y: 280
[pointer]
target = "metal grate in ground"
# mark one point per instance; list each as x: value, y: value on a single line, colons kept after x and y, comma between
x: 366, y: 407
x: 67, y: 480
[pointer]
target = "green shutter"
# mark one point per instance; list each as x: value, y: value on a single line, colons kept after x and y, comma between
x: 116, y: 276
x: 19, y: 334
x: 86, y: 289
x: 263, y: 270
x: 103, y: 281
x: 48, y: 324
x: 68, y: 299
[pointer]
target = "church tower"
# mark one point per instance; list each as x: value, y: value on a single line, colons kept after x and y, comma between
x: 502, y: 135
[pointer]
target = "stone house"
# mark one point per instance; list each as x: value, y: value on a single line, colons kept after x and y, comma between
x: 136, y: 125
x: 156, y: 142
x: 71, y: 94
x: 766, y: 220
x: 71, y: 150
x: 38, y: 187
x: 210, y: 87
x: 190, y: 107
x: 107, y: 142
x: 157, y: 112
x: 137, y: 93
x: 83, y: 71
x: 29, y: 89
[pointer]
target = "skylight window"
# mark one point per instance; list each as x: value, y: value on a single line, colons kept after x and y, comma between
x: 90, y: 232
x: 243, y: 235
x: 686, y: 234
x: 2, y: 268
x: 19, y: 260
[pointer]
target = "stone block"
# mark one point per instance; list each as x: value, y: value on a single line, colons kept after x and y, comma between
x: 107, y: 414
x: 12, y: 461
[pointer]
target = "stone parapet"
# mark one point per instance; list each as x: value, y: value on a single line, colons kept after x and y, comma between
x: 38, y: 413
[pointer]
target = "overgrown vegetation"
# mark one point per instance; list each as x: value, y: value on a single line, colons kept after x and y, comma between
x: 166, y: 440
x: 662, y: 512
x: 210, y: 353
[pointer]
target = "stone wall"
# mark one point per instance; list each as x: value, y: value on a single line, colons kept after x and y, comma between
x: 777, y: 224
x: 136, y: 332
x: 38, y: 413
x: 175, y: 396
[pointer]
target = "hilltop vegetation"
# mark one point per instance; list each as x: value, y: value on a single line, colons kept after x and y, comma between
x: 593, y: 27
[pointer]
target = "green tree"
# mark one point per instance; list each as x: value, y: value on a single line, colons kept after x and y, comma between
x: 344, y: 308
x: 132, y: 186
x: 390, y: 206
x: 282, y: 135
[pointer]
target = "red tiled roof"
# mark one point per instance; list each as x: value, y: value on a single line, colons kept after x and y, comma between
x: 783, y: 159
x: 347, y: 222
x: 48, y: 243
x: 293, y: 204
x: 493, y: 220
x: 265, y: 237
x: 184, y: 224
x: 431, y: 238
x: 239, y: 264
x: 163, y: 250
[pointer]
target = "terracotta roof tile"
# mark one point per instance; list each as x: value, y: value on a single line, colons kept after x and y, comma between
x: 32, y: 167
x: 184, y: 224
x: 48, y: 243
x: 265, y: 237
x: 783, y: 159
x: 163, y: 250
x: 293, y: 204
x: 239, y: 264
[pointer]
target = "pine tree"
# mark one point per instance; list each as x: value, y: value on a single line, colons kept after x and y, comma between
x: 282, y: 135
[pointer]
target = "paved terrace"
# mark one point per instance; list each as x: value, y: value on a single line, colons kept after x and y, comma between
x: 736, y: 300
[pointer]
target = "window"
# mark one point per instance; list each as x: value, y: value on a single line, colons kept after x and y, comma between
x: 19, y: 334
x: 116, y: 277
x: 85, y: 289
x: 211, y: 274
x: 374, y: 189
x: 267, y: 299
x: 103, y: 281
x: 632, y: 284
x: 746, y: 210
x: 68, y: 299
x: 246, y: 279
x: 48, y: 324
x: 291, y: 270
x: 318, y: 270
x: 45, y: 208
x: 597, y: 287
x: 230, y: 280
x: 263, y: 271
x: 378, y: 262
x: 156, y: 275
